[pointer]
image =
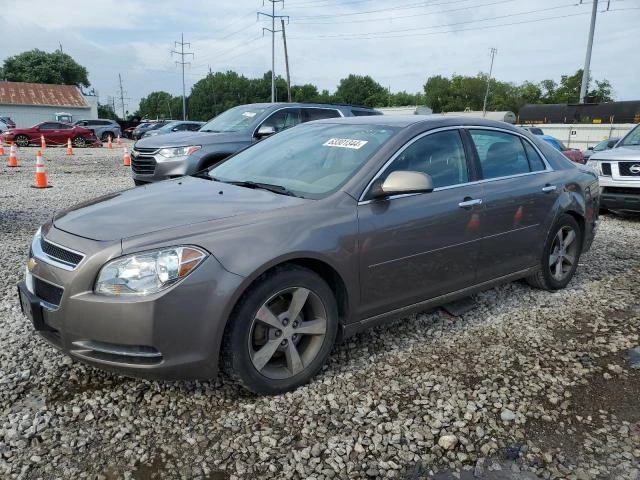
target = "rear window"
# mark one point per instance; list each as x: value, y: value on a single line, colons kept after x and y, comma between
x: 364, y: 113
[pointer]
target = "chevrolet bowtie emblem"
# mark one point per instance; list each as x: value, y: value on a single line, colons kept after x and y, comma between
x: 31, y: 264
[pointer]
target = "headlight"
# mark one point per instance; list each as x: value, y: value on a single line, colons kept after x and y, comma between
x: 179, y: 151
x: 148, y: 272
x: 594, y: 165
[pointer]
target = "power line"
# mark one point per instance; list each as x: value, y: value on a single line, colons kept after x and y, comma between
x: 182, y: 54
x: 273, y: 31
x: 348, y: 35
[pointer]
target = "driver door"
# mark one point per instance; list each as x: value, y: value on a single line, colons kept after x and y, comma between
x: 419, y: 246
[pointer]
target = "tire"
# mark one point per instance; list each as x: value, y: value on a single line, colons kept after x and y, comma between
x: 79, y: 142
x: 557, y: 250
x: 264, y: 361
x: 21, y: 140
x: 105, y: 136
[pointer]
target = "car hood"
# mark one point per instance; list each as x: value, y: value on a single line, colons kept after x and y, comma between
x: 631, y: 153
x: 183, y: 139
x: 164, y: 205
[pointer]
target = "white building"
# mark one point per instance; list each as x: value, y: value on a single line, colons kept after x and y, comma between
x: 31, y: 103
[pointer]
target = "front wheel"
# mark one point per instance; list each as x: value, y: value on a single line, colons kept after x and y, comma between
x: 79, y: 142
x: 560, y: 255
x: 281, y: 331
x: 22, y: 140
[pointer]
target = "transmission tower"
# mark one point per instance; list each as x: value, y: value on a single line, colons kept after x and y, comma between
x: 273, y: 31
x: 182, y: 54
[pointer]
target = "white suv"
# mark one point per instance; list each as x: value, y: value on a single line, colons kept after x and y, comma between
x: 619, y: 172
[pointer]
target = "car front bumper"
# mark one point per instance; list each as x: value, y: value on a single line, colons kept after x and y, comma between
x: 173, y: 334
x: 623, y: 195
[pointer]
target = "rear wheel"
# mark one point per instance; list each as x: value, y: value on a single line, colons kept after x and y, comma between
x: 281, y: 332
x: 22, y: 140
x: 79, y: 142
x: 560, y: 255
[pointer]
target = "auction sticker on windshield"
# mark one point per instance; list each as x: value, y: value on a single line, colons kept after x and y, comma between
x: 249, y: 114
x: 345, y: 143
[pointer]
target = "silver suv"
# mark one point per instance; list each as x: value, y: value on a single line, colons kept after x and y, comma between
x: 185, y: 153
x: 103, y: 128
x: 619, y: 172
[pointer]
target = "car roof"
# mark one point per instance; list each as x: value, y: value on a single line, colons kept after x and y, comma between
x: 432, y: 121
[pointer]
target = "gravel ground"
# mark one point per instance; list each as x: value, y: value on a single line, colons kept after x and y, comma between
x: 526, y: 384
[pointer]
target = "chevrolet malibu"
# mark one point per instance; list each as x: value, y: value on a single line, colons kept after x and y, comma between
x: 259, y: 265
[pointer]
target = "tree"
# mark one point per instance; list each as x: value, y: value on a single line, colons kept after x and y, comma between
x: 437, y: 91
x: 106, y: 111
x: 158, y: 105
x: 37, y: 66
x: 359, y: 90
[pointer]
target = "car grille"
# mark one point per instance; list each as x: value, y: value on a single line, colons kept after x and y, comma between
x: 625, y: 169
x: 145, y: 151
x: 142, y: 162
x: 60, y: 254
x: 622, y: 190
x: 606, y: 169
x: 46, y: 291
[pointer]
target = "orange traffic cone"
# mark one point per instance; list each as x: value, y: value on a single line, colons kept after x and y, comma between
x: 126, y: 159
x: 41, y: 177
x: 69, y: 149
x: 43, y: 144
x: 13, y: 161
x: 118, y: 142
x: 109, y: 145
x: 1, y: 150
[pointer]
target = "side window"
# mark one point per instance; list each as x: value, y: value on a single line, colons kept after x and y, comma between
x: 283, y: 119
x: 83, y: 123
x: 194, y: 127
x: 440, y: 155
x: 500, y: 154
x: 535, y: 162
x: 310, y: 114
x: 48, y: 126
x: 62, y: 126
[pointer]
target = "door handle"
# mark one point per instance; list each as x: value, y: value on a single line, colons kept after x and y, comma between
x: 549, y: 188
x: 470, y: 203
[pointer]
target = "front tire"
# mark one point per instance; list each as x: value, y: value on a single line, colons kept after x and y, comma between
x: 281, y: 332
x: 79, y: 142
x: 22, y: 140
x: 560, y: 255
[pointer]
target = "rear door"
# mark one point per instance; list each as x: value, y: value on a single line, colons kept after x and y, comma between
x: 419, y: 246
x: 49, y: 131
x: 519, y: 191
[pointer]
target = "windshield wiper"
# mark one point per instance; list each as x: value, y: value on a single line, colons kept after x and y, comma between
x: 265, y: 186
x: 204, y: 174
x: 210, y: 131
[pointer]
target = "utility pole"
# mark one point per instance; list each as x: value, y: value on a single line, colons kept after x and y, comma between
x: 486, y: 94
x: 122, y: 98
x: 587, y: 58
x: 286, y: 61
x: 182, y: 54
x: 273, y: 31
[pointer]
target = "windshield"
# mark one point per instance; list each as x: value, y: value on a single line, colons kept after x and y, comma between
x: 310, y: 160
x: 234, y: 119
x: 167, y: 127
x: 632, y: 138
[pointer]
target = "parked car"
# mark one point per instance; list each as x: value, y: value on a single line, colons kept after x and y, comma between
x: 8, y: 122
x: 128, y: 132
x: 143, y: 128
x: 619, y: 172
x: 171, y: 127
x: 534, y: 130
x: 328, y: 227
x: 600, y: 147
x: 573, y: 154
x: 103, y: 128
x: 159, y: 158
x: 55, y: 133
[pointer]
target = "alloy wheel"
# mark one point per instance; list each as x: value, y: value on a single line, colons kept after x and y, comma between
x: 564, y: 253
x: 22, y: 141
x: 287, y: 333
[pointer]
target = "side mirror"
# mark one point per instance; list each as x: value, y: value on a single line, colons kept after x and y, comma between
x: 401, y: 182
x: 590, y: 148
x: 265, y: 131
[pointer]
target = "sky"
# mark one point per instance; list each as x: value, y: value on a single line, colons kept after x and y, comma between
x: 399, y: 43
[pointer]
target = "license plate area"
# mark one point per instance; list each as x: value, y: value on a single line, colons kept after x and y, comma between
x: 32, y: 309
